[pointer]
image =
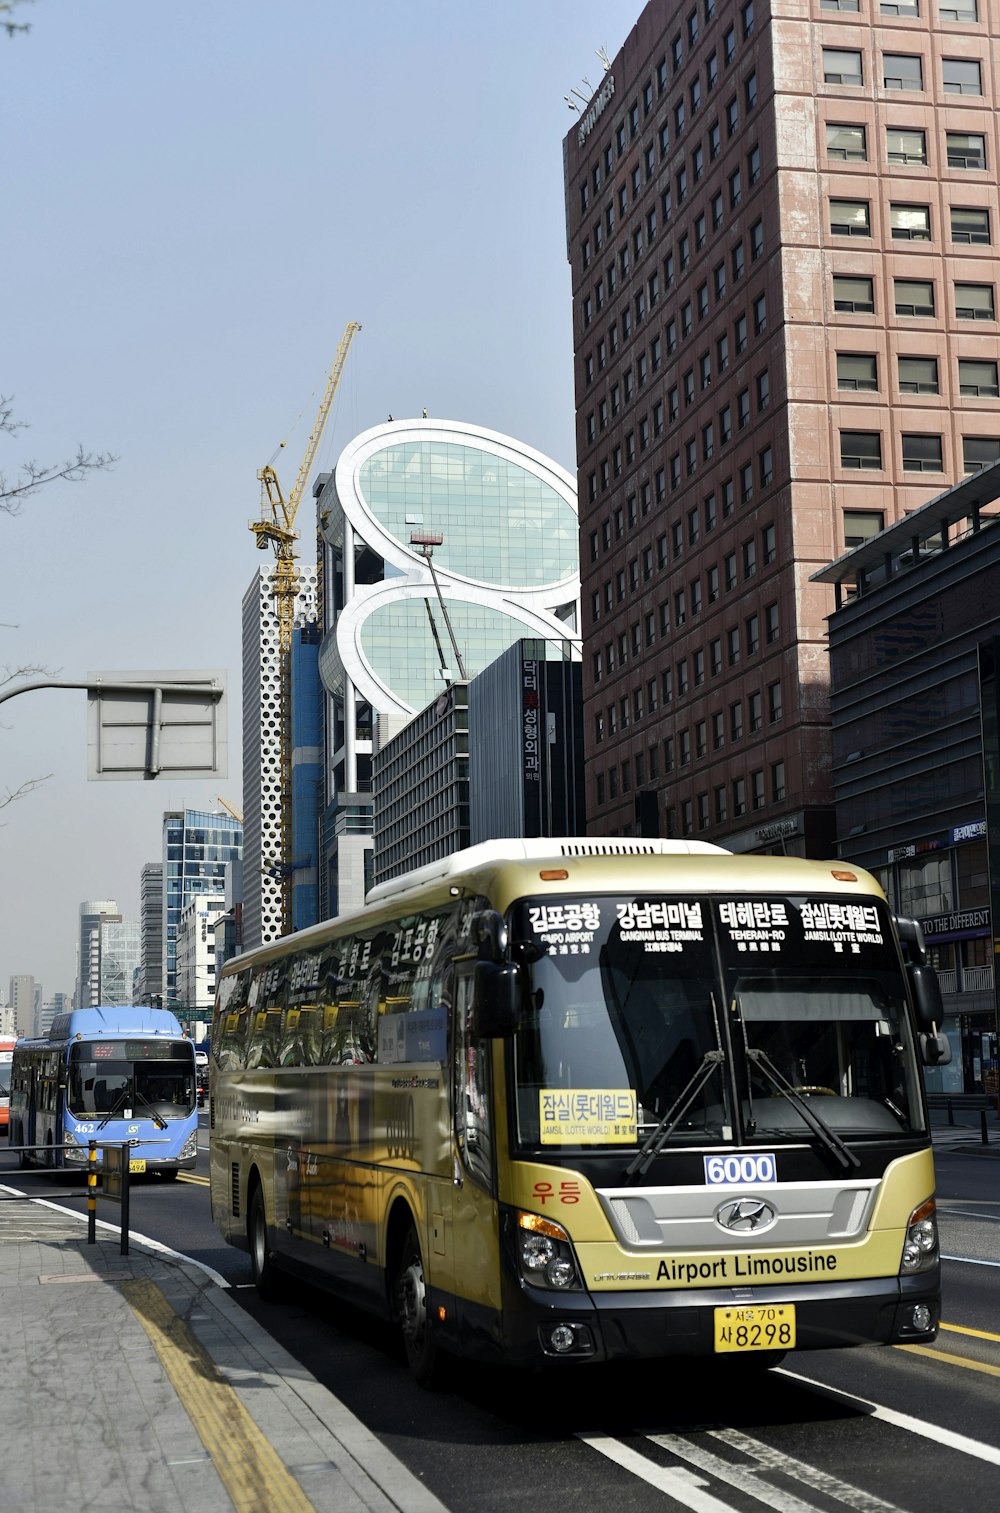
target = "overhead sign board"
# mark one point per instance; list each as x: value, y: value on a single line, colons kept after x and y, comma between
x: 145, y: 725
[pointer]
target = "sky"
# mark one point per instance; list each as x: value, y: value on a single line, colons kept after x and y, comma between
x: 196, y: 199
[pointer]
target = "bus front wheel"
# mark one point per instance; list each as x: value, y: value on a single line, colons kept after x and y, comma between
x: 262, y: 1267
x: 419, y: 1343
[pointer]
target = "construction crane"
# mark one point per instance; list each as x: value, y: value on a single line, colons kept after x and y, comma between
x: 276, y: 529
x: 237, y: 816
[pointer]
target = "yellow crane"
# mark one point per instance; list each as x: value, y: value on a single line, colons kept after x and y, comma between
x: 229, y: 808
x: 276, y: 529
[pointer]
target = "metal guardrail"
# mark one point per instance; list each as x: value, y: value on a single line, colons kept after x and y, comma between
x: 115, y: 1187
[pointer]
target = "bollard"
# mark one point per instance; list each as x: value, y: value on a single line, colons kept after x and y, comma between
x: 91, y: 1192
x: 982, y: 1120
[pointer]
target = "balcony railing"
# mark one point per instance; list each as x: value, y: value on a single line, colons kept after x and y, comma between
x: 974, y: 980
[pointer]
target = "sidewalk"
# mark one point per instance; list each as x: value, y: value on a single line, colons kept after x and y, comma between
x: 135, y: 1384
x: 966, y: 1134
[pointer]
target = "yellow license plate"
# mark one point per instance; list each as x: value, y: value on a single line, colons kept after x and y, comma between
x: 138, y: 1165
x: 758, y: 1328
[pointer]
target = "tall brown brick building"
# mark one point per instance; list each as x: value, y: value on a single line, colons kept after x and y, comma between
x: 781, y: 221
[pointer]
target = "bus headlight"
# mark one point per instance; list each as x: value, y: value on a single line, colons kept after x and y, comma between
x: 190, y: 1147
x: 920, y: 1248
x: 72, y: 1151
x: 545, y: 1254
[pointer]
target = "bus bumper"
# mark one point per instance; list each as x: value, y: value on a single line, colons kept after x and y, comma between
x: 539, y: 1326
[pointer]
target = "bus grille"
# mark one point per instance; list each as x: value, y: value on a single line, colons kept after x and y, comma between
x: 235, y: 1184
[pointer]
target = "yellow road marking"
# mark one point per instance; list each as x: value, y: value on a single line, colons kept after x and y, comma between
x: 253, y: 1474
x: 190, y: 1177
x: 952, y: 1360
x: 979, y: 1334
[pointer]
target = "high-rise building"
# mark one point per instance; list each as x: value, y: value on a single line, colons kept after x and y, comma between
x: 94, y: 914
x: 781, y: 229
x: 262, y: 796
x: 196, y: 955
x: 22, y: 1004
x: 149, y: 984
x: 120, y: 941
x: 197, y: 845
x: 443, y: 543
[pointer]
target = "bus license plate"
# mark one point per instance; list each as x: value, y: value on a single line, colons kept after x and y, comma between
x: 757, y: 1328
x: 137, y: 1165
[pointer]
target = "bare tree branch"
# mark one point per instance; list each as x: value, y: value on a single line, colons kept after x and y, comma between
x: 12, y: 27
x: 34, y: 476
x: 11, y: 795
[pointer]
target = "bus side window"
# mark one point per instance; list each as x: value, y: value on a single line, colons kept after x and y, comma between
x: 473, y: 1130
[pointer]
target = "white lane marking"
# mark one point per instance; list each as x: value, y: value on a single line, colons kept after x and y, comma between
x: 735, y: 1474
x: 969, y: 1213
x: 821, y: 1481
x: 934, y: 1432
x: 970, y: 1261
x: 676, y: 1481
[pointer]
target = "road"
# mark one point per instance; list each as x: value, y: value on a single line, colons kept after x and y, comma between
x: 870, y: 1430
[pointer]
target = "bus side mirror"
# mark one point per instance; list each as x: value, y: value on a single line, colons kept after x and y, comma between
x: 496, y: 1000
x: 927, y: 1001
x: 935, y: 1050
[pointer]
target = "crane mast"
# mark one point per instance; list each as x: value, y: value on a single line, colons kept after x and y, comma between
x: 276, y: 529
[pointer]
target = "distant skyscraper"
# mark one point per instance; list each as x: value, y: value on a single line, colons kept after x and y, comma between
x: 88, y: 962
x: 262, y: 796
x: 197, y: 845
x: 120, y: 947
x: 196, y: 954
x: 22, y: 1003
x: 150, y: 980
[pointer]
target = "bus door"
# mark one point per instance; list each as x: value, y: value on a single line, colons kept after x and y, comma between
x: 475, y: 1261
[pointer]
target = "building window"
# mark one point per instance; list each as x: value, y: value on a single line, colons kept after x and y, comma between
x: 842, y: 66
x: 961, y: 76
x: 846, y: 144
x: 752, y: 638
x: 739, y: 796
x: 733, y: 646
x: 979, y: 452
x: 736, y: 721
x: 772, y: 623
x: 746, y: 483
x: 850, y: 218
x: 756, y: 241
x: 857, y: 371
x: 965, y: 149
x: 774, y: 705
x: 910, y: 223
x: 861, y: 526
x: 974, y: 302
x: 735, y: 188
x: 906, y: 145
x: 969, y: 225
x: 854, y: 296
x: 729, y: 568
x: 914, y: 296
x: 715, y: 656
x: 959, y: 10
x: 922, y: 453
x: 766, y: 464
x: 777, y: 782
x: 721, y: 808
x: 760, y: 315
x: 977, y: 378
x: 902, y: 71
x: 918, y: 375
x: 769, y: 543
x: 860, y: 449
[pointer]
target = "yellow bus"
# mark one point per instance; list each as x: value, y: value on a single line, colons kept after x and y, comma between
x: 584, y: 1100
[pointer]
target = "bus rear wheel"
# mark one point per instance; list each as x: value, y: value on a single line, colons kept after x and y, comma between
x: 410, y: 1296
x: 262, y: 1267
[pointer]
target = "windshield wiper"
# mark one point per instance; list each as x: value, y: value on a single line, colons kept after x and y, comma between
x: 819, y: 1127
x: 141, y: 1098
x: 119, y: 1103
x: 672, y: 1118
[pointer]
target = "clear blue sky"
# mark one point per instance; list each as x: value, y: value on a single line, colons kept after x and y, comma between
x: 196, y: 199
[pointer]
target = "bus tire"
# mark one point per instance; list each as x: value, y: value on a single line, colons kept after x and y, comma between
x: 262, y: 1267
x: 415, y: 1319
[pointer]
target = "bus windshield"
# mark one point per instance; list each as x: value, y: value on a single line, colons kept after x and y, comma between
x: 163, y: 1089
x: 622, y: 1026
x: 607, y: 1015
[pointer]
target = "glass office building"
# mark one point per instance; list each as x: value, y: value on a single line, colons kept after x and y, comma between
x: 444, y: 544
x: 196, y: 847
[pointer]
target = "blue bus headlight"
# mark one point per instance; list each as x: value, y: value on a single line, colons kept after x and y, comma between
x: 190, y: 1147
x: 545, y: 1254
x: 920, y: 1248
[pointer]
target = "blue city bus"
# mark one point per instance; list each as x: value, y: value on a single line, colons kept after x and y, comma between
x: 107, y: 1074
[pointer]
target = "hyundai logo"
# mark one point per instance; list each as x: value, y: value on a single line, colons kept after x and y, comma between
x: 746, y: 1215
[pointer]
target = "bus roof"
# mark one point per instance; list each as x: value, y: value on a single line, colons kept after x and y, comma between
x: 115, y: 1019
x: 509, y: 869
